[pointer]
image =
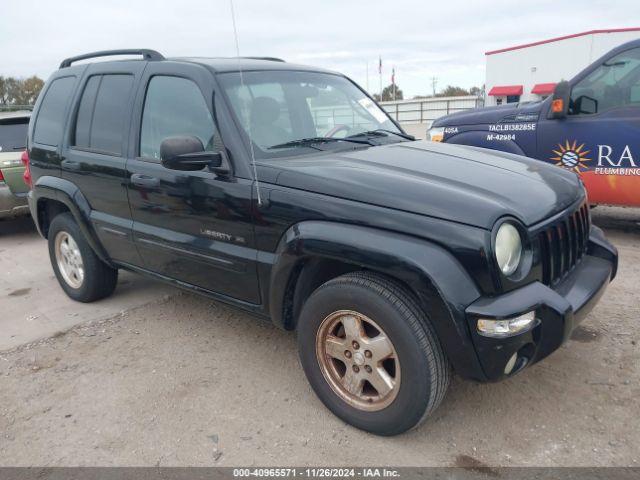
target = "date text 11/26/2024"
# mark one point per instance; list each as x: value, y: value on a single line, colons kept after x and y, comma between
x: 322, y: 472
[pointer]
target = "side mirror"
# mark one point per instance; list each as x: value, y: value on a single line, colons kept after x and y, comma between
x: 186, y: 153
x: 560, y: 101
x: 585, y: 104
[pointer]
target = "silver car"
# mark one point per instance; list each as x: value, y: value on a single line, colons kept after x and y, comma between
x: 13, y: 141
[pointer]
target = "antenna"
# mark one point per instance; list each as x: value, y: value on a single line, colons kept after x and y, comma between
x: 253, y: 153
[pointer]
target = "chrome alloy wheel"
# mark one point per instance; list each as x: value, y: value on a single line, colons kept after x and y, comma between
x: 358, y: 360
x: 69, y: 259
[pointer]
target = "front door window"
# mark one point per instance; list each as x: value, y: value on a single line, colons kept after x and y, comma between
x: 173, y: 107
x: 614, y: 84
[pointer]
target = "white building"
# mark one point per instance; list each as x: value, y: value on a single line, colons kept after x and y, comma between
x: 530, y: 72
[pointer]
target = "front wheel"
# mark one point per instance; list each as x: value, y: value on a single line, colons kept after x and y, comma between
x: 371, y: 354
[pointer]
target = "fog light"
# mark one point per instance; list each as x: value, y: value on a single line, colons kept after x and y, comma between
x: 508, y: 368
x: 506, y: 328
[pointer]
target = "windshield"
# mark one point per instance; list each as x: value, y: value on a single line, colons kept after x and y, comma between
x: 289, y: 112
x: 13, y: 134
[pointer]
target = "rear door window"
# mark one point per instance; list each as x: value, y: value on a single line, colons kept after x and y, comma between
x: 13, y: 134
x: 51, y: 116
x: 85, y: 112
x: 102, y: 113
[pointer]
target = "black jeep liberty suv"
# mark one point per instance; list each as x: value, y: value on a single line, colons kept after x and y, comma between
x: 287, y: 191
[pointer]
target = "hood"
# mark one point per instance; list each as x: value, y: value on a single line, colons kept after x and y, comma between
x: 510, y: 112
x: 468, y: 185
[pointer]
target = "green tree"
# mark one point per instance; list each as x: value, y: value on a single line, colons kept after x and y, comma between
x: 17, y: 91
x: 12, y: 86
x: 4, y: 94
x: 387, y: 93
x: 451, y: 91
x: 29, y: 90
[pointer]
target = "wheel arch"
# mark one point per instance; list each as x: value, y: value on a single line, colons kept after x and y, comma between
x: 52, y: 196
x: 311, y: 253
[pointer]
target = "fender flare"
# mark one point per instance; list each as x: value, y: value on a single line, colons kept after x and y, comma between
x: 54, y: 188
x: 477, y: 138
x: 436, y: 278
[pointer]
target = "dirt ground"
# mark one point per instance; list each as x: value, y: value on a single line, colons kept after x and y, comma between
x: 30, y: 301
x: 186, y: 381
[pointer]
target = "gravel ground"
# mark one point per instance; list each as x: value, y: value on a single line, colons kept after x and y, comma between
x: 187, y: 381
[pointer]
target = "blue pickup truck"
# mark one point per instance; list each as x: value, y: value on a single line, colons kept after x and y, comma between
x: 591, y: 125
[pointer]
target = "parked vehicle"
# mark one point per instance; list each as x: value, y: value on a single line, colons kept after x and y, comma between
x: 591, y: 126
x: 13, y: 141
x: 394, y: 260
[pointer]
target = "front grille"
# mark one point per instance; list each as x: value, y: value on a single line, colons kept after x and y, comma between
x: 563, y: 244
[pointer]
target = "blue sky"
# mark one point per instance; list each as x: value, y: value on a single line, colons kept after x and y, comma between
x: 422, y: 39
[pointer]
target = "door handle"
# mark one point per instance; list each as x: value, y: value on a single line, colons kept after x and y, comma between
x: 70, y: 165
x: 146, y: 181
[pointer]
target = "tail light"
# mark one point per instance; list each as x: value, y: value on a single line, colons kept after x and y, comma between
x: 26, y: 176
x: 1, y: 176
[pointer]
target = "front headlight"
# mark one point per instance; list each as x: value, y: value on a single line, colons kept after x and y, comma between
x: 490, y: 327
x: 435, y: 134
x: 508, y: 248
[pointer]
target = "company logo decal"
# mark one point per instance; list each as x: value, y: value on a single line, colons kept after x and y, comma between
x: 571, y: 156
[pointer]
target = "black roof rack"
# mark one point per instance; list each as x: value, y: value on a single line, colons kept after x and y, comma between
x: 271, y: 59
x: 146, y: 54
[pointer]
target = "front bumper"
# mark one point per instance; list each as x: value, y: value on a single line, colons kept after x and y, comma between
x: 558, y: 311
x: 12, y: 205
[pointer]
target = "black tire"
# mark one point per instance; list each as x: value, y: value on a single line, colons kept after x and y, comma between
x: 425, y: 371
x: 99, y: 278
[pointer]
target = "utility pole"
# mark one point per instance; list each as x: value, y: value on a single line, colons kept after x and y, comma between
x: 393, y: 82
x: 380, y: 74
x: 368, y: 77
x: 434, y: 83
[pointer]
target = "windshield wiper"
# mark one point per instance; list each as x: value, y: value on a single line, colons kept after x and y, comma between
x: 308, y: 142
x: 382, y: 132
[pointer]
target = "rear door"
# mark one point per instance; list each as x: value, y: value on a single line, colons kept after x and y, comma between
x: 95, y: 156
x: 194, y: 227
x: 600, y: 137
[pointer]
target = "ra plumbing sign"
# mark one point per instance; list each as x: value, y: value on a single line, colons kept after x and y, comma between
x: 605, y: 160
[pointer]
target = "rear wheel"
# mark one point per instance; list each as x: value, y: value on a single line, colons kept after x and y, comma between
x: 371, y: 354
x: 81, y: 274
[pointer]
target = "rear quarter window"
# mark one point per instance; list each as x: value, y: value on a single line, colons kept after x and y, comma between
x: 51, y: 115
x: 13, y: 134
